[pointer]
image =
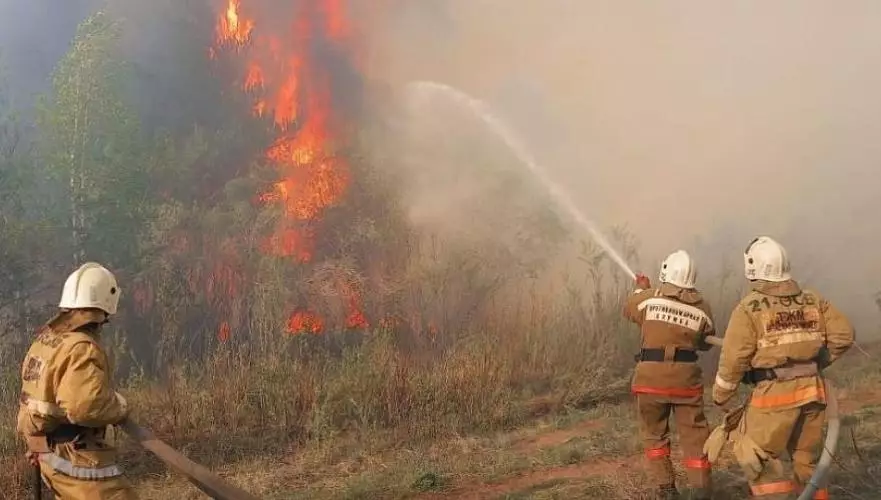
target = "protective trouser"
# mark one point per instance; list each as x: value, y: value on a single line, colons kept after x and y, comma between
x: 654, y: 418
x: 74, y: 472
x: 796, y: 432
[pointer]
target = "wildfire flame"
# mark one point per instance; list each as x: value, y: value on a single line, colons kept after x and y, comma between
x: 254, y: 78
x: 289, y: 85
x: 303, y: 322
x: 223, y: 332
x: 232, y: 28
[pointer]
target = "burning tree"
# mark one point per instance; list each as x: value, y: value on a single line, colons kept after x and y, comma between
x: 297, y: 235
x: 266, y: 218
x: 288, y: 62
x: 269, y: 222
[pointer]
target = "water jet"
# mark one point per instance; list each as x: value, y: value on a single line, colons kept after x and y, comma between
x: 481, y: 110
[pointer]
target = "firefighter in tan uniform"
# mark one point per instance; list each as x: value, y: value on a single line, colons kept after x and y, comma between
x: 779, y: 339
x: 674, y: 320
x: 66, y: 398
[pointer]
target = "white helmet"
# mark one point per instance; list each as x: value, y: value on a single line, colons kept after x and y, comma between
x: 765, y: 259
x: 90, y: 286
x: 678, y: 269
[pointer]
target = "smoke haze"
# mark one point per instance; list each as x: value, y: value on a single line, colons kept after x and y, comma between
x: 698, y: 125
x: 34, y: 35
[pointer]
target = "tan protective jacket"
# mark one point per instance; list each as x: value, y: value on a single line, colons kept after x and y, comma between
x: 777, y: 324
x: 670, y: 317
x: 66, y: 380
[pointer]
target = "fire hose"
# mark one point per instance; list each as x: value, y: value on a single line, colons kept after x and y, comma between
x: 202, y: 478
x: 208, y: 482
x: 833, y: 426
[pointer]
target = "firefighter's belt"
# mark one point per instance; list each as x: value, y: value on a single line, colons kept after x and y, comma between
x: 786, y: 372
x: 658, y: 355
x: 67, y: 433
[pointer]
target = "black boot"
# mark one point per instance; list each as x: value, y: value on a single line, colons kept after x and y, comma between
x: 697, y: 494
x: 668, y: 492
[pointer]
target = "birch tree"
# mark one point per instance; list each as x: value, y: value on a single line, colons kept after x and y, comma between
x: 93, y: 147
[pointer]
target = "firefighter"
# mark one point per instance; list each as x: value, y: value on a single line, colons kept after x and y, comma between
x: 674, y: 320
x: 66, y: 398
x: 779, y: 339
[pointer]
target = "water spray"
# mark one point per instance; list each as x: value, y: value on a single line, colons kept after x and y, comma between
x: 481, y: 110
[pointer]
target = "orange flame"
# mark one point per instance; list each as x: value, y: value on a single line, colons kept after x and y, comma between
x: 254, y: 79
x: 356, y: 318
x: 224, y: 332
x: 295, y: 94
x: 292, y: 88
x: 232, y: 27
x: 285, y: 101
x: 290, y: 243
x: 304, y: 322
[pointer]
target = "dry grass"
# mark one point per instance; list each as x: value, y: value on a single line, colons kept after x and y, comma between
x: 570, y: 452
x: 592, y: 452
x: 507, y: 412
x: 241, y: 407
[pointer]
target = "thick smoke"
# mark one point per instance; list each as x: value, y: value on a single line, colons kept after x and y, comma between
x: 698, y: 125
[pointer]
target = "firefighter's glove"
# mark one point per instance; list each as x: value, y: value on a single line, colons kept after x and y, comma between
x: 722, y: 397
x: 725, y: 404
x: 723, y: 401
x: 749, y: 455
x: 714, y: 444
x: 643, y: 282
x: 125, y: 409
x: 728, y: 431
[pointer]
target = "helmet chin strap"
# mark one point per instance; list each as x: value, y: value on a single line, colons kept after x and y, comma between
x: 91, y: 328
x: 104, y: 321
